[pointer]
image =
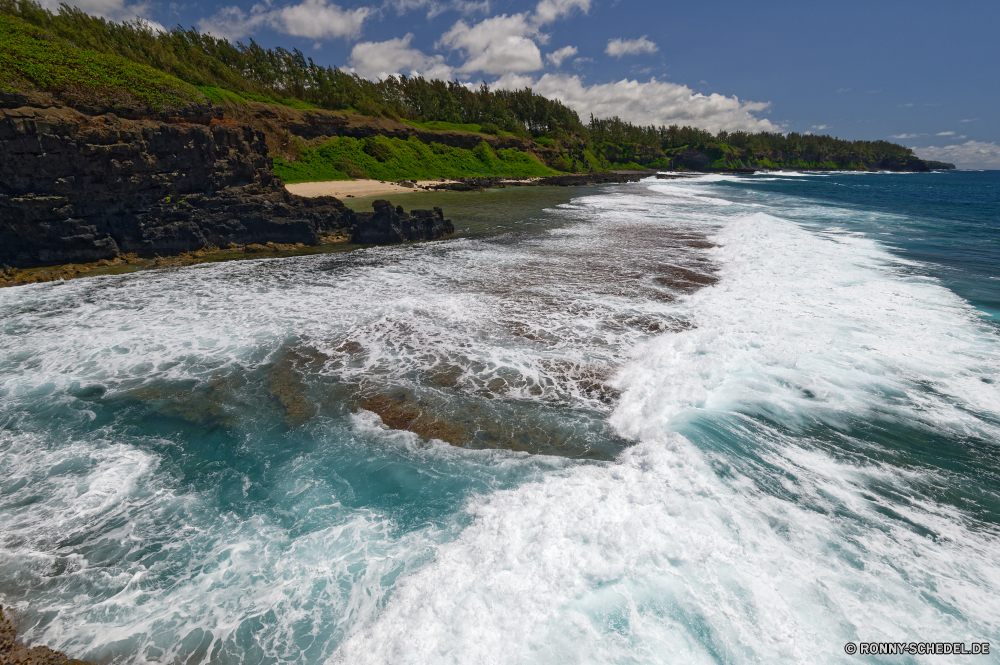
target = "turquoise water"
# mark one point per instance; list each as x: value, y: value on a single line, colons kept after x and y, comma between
x: 719, y: 419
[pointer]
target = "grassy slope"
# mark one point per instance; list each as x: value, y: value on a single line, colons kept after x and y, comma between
x: 221, y: 96
x: 382, y: 158
x: 33, y: 60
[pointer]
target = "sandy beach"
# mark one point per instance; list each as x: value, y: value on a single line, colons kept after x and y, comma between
x: 345, y: 188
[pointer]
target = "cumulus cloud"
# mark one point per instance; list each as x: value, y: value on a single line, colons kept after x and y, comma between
x: 497, y: 45
x: 509, y: 44
x: 378, y: 60
x: 233, y: 23
x: 968, y: 155
x: 905, y: 136
x: 550, y: 10
x: 619, y: 47
x: 945, y: 134
x: 651, y: 103
x: 969, y: 120
x: 557, y: 57
x: 315, y: 19
x: 820, y: 128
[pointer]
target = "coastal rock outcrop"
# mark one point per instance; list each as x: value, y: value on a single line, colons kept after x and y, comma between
x: 389, y: 225
x: 76, y: 187
x: 13, y: 652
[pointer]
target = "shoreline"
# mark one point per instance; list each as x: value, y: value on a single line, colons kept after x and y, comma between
x: 339, y: 241
x: 340, y: 189
x: 15, y: 652
x: 364, y: 188
x: 127, y: 263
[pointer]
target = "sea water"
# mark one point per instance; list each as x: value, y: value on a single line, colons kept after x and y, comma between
x: 712, y: 419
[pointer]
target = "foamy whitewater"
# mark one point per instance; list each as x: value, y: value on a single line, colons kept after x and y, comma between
x: 707, y: 420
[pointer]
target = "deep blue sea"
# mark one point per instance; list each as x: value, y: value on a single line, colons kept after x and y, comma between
x: 716, y: 419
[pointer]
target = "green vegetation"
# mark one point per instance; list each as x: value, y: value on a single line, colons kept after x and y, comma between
x: 33, y: 60
x: 279, y: 75
x: 222, y: 96
x: 661, y: 147
x: 382, y: 158
x: 72, y: 53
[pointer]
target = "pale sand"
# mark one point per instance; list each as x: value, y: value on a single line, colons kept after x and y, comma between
x: 343, y: 188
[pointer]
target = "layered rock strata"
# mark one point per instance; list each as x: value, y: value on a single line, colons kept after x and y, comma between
x: 78, y: 188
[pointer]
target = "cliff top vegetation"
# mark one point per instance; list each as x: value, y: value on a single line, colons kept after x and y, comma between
x: 70, y: 49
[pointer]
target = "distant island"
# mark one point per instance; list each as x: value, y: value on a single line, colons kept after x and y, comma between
x: 118, y: 140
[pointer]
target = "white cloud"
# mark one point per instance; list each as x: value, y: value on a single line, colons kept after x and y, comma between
x: 233, y: 23
x: 905, y: 136
x: 820, y: 128
x: 945, y: 134
x: 150, y: 25
x: 378, y: 60
x: 969, y: 120
x: 619, y: 47
x: 968, y: 155
x: 509, y: 44
x: 497, y: 45
x: 549, y: 10
x: 557, y: 57
x: 651, y: 103
x: 434, y: 7
x: 315, y: 19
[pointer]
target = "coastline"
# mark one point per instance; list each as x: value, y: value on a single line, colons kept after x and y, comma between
x: 13, y: 652
x: 339, y: 240
x: 362, y: 188
x: 357, y: 188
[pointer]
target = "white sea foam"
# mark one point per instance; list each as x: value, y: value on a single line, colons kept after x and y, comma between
x: 659, y: 558
x: 816, y: 326
x: 678, y: 551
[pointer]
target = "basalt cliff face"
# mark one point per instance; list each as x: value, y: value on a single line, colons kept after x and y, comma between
x: 80, y: 187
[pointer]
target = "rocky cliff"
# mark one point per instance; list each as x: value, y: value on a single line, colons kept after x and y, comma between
x: 80, y: 187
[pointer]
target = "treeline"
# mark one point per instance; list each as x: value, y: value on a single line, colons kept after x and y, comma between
x: 617, y: 132
x: 289, y: 77
x: 204, y: 60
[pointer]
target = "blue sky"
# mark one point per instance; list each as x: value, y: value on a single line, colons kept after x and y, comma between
x: 920, y: 73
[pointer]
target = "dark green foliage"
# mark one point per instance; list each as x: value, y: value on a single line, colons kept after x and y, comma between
x: 620, y: 141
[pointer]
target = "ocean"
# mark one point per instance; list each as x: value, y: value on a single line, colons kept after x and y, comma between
x: 715, y: 419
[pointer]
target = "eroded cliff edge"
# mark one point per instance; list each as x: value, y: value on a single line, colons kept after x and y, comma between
x: 80, y: 187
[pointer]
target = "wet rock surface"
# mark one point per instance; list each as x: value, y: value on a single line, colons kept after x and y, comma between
x: 13, y: 652
x: 390, y: 225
